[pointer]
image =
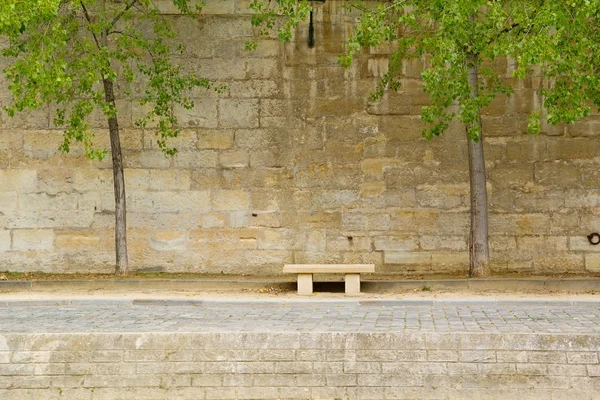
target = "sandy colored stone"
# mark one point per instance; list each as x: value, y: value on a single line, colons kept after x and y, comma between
x: 223, y: 200
x: 592, y: 263
x: 542, y: 243
x: 169, y: 180
x: 169, y: 240
x: 5, y: 240
x: 42, y: 144
x: 557, y: 174
x: 215, y: 139
x: 291, y: 160
x: 18, y: 180
x: 31, y: 202
x: 8, y: 202
x: 77, y: 241
x: 33, y: 239
x: 238, y: 113
x: 401, y: 257
x: 234, y: 159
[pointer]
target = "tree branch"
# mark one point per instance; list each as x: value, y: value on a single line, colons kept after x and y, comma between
x: 120, y: 14
x: 89, y: 20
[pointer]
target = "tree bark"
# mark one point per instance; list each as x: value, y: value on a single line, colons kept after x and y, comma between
x: 119, y: 184
x: 479, y: 254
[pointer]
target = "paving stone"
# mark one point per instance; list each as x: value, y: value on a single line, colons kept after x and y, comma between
x: 475, y: 317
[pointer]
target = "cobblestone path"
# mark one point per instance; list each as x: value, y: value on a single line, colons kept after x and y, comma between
x: 305, y: 316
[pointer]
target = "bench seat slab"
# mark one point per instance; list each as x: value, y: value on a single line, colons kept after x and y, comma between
x: 328, y: 268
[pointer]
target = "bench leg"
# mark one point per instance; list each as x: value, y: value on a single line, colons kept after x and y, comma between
x: 305, y: 284
x: 352, y: 283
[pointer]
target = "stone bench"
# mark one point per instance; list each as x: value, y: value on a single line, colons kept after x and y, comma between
x: 305, y: 274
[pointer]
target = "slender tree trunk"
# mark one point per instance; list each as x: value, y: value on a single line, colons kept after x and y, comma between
x: 119, y: 184
x: 479, y: 254
x: 122, y: 262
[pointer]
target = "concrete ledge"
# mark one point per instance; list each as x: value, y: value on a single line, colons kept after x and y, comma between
x: 149, y: 302
x: 574, y: 285
x: 298, y: 366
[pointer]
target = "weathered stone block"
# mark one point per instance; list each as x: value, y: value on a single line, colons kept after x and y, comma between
x: 572, y: 149
x: 11, y: 139
x: 185, y: 140
x: 459, y: 261
x: 33, y: 239
x: 335, y: 198
x: 193, y: 201
x: 234, y: 159
x: 559, y: 262
x: 221, y: 69
x: 348, y: 243
x: 585, y: 357
x: 456, y: 243
x: 42, y: 144
x: 195, y: 159
x: 416, y: 258
x: 27, y: 119
x: 169, y: 240
x: 592, y: 262
x: 588, y: 127
x: 202, y: 115
x: 30, y: 202
x: 18, y: 180
x: 8, y: 202
x: 262, y: 68
x: 558, y: 174
x: 151, y: 159
x: 73, y: 241
x: 395, y: 243
x: 253, y: 89
x: 442, y: 196
x: 215, y: 139
x: 542, y: 243
x: 507, y: 174
x: 219, y: 7
x: 169, y: 180
x: 238, y: 113
x: 357, y: 221
x: 5, y: 240
x: 228, y: 200
x: 93, y: 180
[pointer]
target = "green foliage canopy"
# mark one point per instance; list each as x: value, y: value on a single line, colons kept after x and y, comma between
x: 15, y: 15
x: 63, y: 50
x: 557, y: 41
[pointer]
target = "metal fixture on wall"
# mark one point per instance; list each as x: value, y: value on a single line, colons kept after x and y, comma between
x: 311, y: 27
x: 594, y: 238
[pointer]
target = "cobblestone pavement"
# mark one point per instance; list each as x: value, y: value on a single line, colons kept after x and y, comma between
x: 349, y: 316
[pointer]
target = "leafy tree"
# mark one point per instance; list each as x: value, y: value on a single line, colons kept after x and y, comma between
x: 557, y: 40
x: 78, y: 55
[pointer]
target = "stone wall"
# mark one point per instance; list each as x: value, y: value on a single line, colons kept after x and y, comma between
x: 292, y: 164
x: 298, y: 366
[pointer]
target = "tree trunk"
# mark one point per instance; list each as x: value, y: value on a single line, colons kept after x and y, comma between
x: 479, y: 254
x: 119, y: 184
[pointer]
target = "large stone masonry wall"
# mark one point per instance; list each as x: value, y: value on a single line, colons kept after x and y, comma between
x: 302, y: 365
x: 292, y: 164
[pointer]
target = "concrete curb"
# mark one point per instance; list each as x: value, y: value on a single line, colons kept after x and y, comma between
x: 149, y: 302
x: 126, y: 284
x: 575, y: 285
